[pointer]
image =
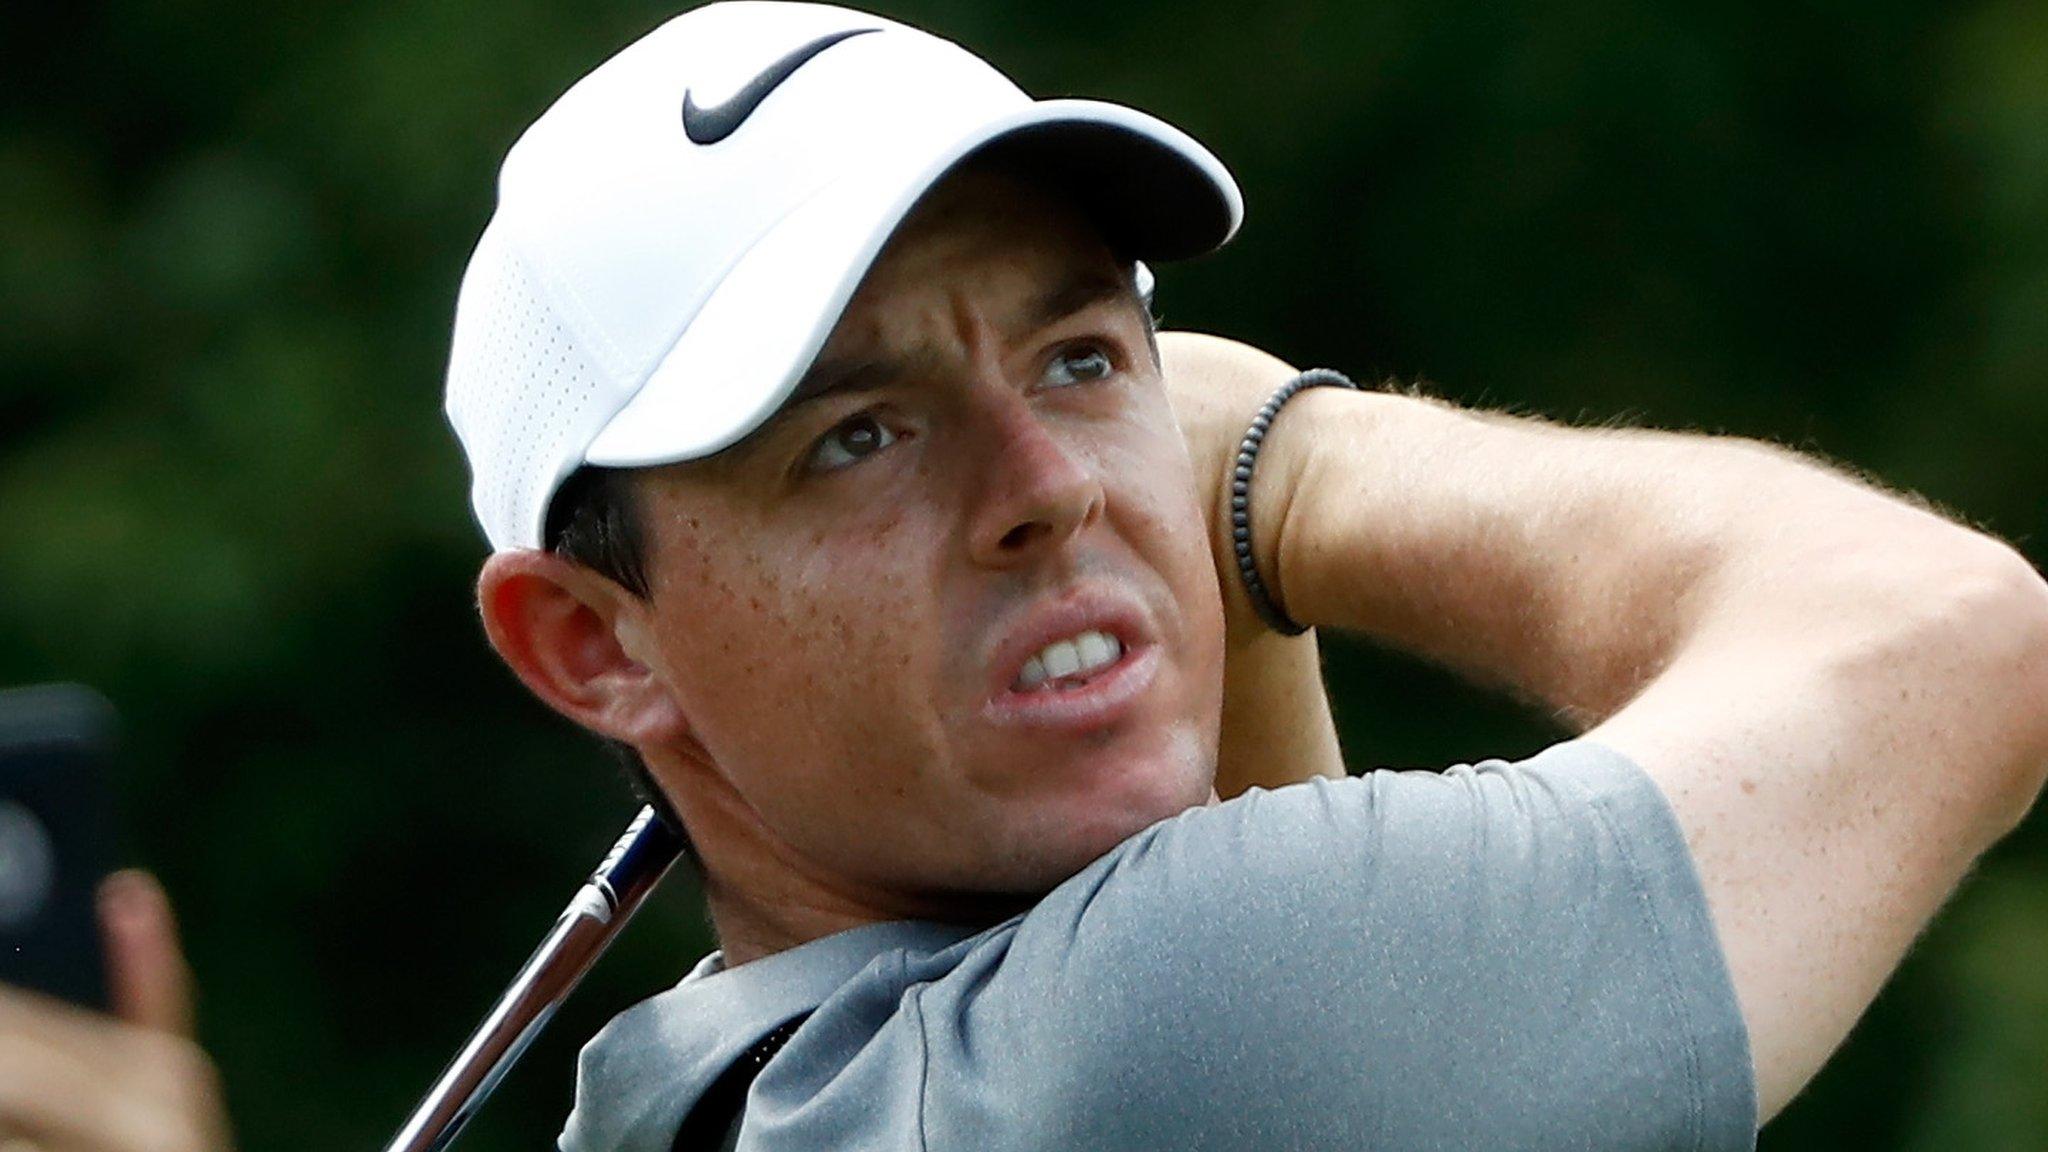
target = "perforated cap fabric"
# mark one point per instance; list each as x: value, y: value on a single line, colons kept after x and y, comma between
x: 675, y: 238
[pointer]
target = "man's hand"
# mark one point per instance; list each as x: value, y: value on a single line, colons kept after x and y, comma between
x: 76, y: 1081
x: 1276, y: 716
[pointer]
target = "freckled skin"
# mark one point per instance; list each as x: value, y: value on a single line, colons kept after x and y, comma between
x: 828, y: 634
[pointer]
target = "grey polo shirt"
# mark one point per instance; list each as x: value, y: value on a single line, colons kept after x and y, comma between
x: 1496, y: 956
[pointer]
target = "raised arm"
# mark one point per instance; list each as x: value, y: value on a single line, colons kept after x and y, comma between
x: 1843, y: 696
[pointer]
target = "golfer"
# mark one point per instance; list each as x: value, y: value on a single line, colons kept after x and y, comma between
x: 834, y: 471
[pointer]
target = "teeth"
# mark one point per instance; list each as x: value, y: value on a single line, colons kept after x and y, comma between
x: 1061, y: 659
x: 1087, y: 653
x: 1095, y: 650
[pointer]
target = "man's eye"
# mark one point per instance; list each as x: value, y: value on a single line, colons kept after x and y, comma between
x: 849, y: 443
x: 1077, y: 366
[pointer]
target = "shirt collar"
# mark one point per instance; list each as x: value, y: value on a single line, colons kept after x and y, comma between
x: 640, y: 1075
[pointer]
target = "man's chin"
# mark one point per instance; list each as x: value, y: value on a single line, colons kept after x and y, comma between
x: 1057, y: 842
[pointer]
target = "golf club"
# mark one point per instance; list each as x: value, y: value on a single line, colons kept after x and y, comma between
x: 581, y: 934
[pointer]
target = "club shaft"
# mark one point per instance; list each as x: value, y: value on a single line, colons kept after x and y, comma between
x: 592, y: 920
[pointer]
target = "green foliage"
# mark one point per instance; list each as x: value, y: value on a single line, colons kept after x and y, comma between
x: 229, y: 244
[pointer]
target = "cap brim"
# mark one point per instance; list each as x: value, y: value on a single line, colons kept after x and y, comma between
x: 1154, y: 191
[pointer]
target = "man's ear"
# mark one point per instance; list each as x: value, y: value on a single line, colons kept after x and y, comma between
x: 558, y: 625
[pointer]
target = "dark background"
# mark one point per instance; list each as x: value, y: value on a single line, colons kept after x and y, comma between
x: 230, y: 238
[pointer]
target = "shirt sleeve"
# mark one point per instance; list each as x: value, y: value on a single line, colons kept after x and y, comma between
x: 1496, y: 956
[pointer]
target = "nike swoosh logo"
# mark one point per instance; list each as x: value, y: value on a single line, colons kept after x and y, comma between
x: 710, y: 125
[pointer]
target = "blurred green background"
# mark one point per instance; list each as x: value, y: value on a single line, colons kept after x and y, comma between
x: 230, y: 238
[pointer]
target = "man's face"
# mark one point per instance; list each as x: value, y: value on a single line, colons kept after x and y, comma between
x: 865, y: 609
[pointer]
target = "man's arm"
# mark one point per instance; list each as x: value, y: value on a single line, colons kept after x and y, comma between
x: 1843, y: 697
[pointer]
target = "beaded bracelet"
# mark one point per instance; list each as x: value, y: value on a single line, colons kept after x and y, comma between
x: 1241, y: 495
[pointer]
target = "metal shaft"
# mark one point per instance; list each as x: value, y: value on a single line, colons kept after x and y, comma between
x: 593, y: 919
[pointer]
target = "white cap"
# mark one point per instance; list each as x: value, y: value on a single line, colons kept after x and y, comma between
x: 676, y: 237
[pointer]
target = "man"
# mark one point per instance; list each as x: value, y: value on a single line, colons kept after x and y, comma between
x: 887, y: 564
x: 889, y: 546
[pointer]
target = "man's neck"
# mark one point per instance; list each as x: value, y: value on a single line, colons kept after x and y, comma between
x: 764, y: 897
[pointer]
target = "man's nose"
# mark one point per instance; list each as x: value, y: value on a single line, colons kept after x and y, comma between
x: 1032, y: 491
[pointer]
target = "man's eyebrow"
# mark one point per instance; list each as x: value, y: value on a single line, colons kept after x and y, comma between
x: 1076, y: 293
x: 826, y: 377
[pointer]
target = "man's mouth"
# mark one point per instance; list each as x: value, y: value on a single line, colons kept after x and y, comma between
x: 1083, y: 662
x: 1069, y: 662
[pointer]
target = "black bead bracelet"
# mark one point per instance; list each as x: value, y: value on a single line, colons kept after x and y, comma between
x: 1241, y: 495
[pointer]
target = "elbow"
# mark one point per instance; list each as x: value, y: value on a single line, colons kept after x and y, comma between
x: 2030, y: 617
x: 1992, y: 618
x: 1938, y: 655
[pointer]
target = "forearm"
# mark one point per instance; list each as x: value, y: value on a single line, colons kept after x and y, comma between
x: 1571, y: 565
